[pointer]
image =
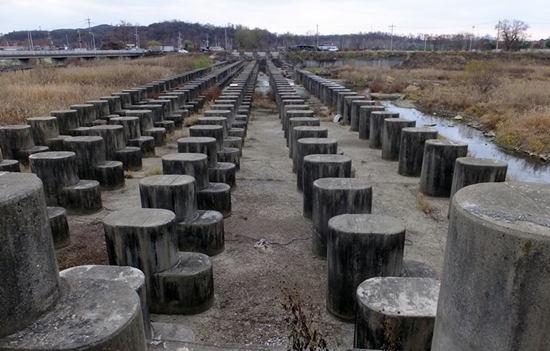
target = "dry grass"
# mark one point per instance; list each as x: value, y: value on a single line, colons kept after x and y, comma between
x: 378, y: 79
x: 154, y: 171
x: 424, y: 204
x: 259, y: 100
x: 46, y: 88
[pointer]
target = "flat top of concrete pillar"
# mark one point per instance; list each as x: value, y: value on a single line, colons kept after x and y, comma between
x: 445, y: 142
x: 81, y: 106
x: 63, y: 111
x: 219, y: 119
x: 197, y: 140
x: 16, y: 126
x: 96, y: 102
x: 140, y: 217
x: 399, y: 120
x: 14, y: 186
x: 367, y: 224
x: 137, y: 112
x: 386, y: 114
x: 167, y: 180
x: 418, y: 130
x: 107, y: 127
x: 519, y: 208
x: 54, y: 211
x: 403, y: 297
x: 481, y: 162
x: 151, y: 106
x: 44, y: 118
x: 207, y: 127
x: 371, y: 107
x: 126, y: 274
x: 311, y: 128
x: 304, y: 119
x: 84, y: 139
x: 290, y: 101
x: 127, y: 118
x: 297, y: 107
x: 323, y: 158
x: 186, y: 156
x: 354, y: 97
x: 52, y: 155
x: 341, y: 183
x: 347, y: 92
x: 316, y: 141
x: 361, y: 101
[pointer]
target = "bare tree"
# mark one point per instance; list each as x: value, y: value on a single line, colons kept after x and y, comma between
x: 513, y: 33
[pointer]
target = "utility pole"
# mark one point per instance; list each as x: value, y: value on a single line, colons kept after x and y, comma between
x: 90, y: 31
x: 498, y: 32
x: 225, y: 33
x: 136, y: 35
x: 472, y: 38
x: 50, y: 39
x: 79, y: 40
x: 425, y: 41
x: 391, y: 38
x: 29, y: 36
x: 317, y: 37
x: 179, y: 40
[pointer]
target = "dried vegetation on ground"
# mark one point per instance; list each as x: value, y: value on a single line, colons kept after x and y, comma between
x: 509, y: 97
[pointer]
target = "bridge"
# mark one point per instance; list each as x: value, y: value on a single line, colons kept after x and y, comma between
x: 61, y: 56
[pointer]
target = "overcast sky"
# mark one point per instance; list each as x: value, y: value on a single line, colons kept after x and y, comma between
x: 281, y: 16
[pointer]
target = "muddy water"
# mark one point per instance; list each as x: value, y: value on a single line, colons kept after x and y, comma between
x: 519, y: 168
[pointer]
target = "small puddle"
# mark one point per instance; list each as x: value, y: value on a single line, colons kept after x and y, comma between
x: 520, y: 169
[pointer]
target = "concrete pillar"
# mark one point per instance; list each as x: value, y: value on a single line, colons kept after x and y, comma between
x: 192, y: 164
x: 202, y: 145
x: 396, y: 313
x: 411, y: 150
x: 304, y: 132
x: 359, y: 247
x: 364, y: 120
x: 436, y: 177
x: 322, y: 166
x: 376, y: 125
x: 332, y: 197
x: 391, y: 137
x: 208, y: 131
x: 355, y: 111
x: 496, y: 272
x: 28, y: 269
x: 471, y: 170
x: 312, y: 146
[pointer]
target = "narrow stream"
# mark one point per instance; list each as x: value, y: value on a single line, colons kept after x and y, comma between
x: 519, y: 168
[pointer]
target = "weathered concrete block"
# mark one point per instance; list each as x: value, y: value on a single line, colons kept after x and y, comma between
x: 205, y: 234
x: 177, y: 193
x: 60, y: 226
x: 376, y: 126
x: 359, y: 247
x: 192, y: 164
x: 411, y: 150
x: 396, y: 312
x: 496, y: 272
x: 391, y: 137
x: 216, y: 197
x: 471, y: 170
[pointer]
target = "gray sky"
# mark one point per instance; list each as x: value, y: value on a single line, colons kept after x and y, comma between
x: 281, y: 16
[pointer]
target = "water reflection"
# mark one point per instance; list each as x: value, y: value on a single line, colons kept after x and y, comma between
x: 519, y: 168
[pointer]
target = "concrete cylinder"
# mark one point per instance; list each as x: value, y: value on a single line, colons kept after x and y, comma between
x: 290, y: 114
x: 14, y: 139
x: 176, y: 193
x: 471, y: 170
x: 43, y: 128
x: 495, y: 284
x: 216, y: 197
x: 355, y: 112
x: 208, y: 131
x: 411, y: 150
x: 333, y: 197
x: 234, y: 142
x: 300, y: 122
x: 86, y: 114
x: 202, y: 145
x: 101, y: 108
x: 220, y: 121
x: 28, y: 268
x: 204, y: 234
x: 113, y: 135
x: 359, y: 247
x: 67, y: 120
x: 231, y: 155
x: 145, y: 118
x: 223, y: 172
x: 192, y: 164
x: 436, y: 177
x: 125, y: 274
x: 311, y: 146
x: 347, y: 106
x: 364, y: 120
x: 301, y: 132
x: 143, y: 238
x: 60, y: 226
x: 57, y: 170
x: 89, y: 151
x: 322, y: 166
x: 398, y: 313
x: 376, y: 127
x: 130, y: 125
x: 391, y: 137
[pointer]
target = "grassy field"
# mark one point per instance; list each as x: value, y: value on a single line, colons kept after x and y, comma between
x: 36, y: 92
x: 509, y: 97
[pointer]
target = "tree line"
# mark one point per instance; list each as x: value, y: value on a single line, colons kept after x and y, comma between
x: 512, y: 35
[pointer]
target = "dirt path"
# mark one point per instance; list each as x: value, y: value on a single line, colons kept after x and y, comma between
x: 250, y: 279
